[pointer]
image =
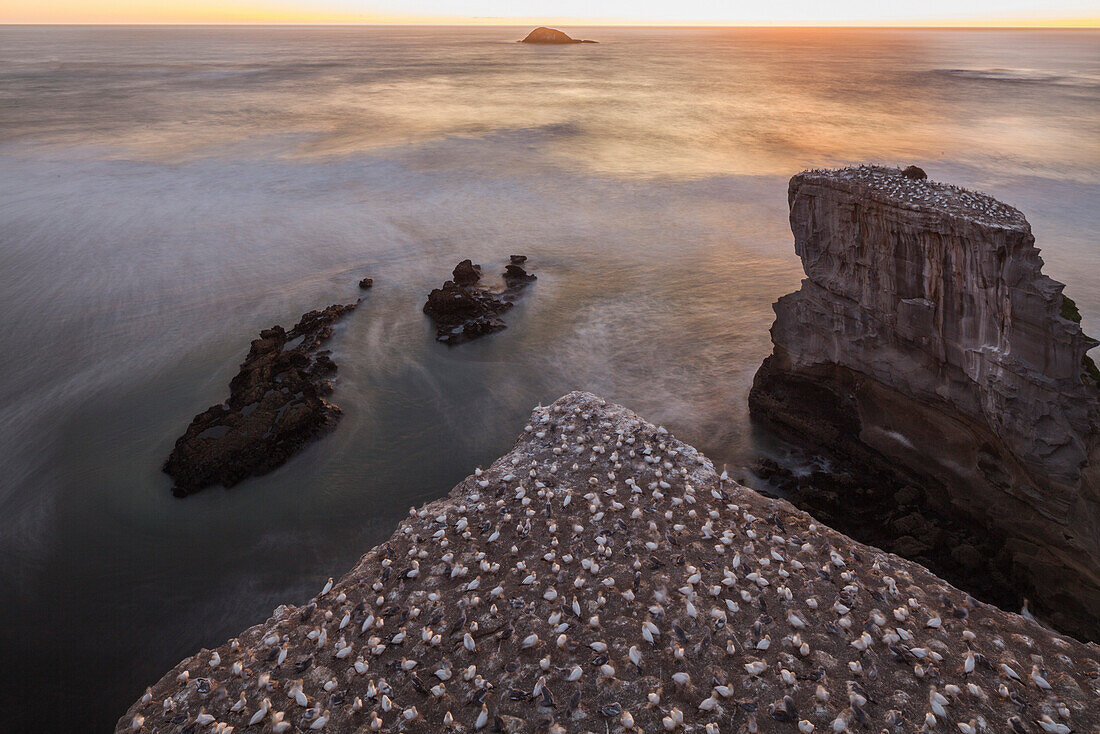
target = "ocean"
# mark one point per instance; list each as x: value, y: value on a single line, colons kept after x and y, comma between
x: 168, y: 192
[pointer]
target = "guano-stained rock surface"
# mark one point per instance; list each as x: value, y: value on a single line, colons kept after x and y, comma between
x: 276, y: 405
x: 926, y: 338
x: 601, y: 577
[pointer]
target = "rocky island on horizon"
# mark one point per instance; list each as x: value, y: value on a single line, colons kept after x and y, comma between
x: 551, y: 36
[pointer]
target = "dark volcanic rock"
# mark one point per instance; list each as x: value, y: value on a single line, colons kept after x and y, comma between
x: 276, y: 405
x: 466, y: 273
x: 462, y: 314
x: 463, y: 309
x: 515, y: 276
x: 366, y: 283
x: 859, y: 496
x: 550, y: 36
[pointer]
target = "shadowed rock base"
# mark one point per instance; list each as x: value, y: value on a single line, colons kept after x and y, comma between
x: 601, y: 577
x: 276, y: 405
x: 866, y: 495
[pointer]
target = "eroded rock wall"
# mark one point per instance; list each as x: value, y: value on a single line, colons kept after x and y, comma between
x: 926, y: 335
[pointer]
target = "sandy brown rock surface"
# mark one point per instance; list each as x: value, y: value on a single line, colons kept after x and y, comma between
x: 602, y: 577
x: 550, y: 36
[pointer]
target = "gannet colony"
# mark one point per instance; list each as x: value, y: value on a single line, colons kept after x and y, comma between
x: 603, y: 577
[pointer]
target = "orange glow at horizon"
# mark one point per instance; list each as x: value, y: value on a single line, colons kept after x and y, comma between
x: 936, y: 13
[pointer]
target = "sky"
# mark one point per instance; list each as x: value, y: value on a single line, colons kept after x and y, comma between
x: 562, y: 12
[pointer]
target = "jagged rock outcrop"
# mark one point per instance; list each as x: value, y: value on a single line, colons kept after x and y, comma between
x: 550, y: 36
x: 602, y: 577
x: 925, y: 337
x: 276, y: 405
x: 464, y: 309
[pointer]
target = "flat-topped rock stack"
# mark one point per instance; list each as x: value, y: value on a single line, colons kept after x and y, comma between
x: 926, y: 339
x: 602, y: 577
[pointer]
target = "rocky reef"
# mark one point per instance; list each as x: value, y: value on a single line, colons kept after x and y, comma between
x: 464, y: 309
x: 276, y: 405
x: 926, y: 343
x: 550, y: 36
x: 602, y: 577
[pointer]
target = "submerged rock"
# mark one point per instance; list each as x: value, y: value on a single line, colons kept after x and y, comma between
x: 463, y: 309
x: 926, y: 342
x: 276, y: 405
x: 551, y: 36
x: 602, y: 576
x: 516, y: 277
x: 366, y: 283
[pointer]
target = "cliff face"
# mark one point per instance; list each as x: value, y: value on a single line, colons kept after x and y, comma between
x: 601, y: 577
x: 926, y: 335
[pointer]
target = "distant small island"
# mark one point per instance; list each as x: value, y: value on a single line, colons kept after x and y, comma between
x: 551, y: 35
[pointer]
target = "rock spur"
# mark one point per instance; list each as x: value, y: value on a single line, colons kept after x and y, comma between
x: 276, y: 405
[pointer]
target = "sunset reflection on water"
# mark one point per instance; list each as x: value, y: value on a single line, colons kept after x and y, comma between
x: 167, y: 193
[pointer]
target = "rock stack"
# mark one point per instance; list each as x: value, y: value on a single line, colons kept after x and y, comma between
x: 464, y: 309
x: 926, y: 340
x: 544, y: 35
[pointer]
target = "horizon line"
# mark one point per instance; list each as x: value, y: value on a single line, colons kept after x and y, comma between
x: 1083, y: 24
